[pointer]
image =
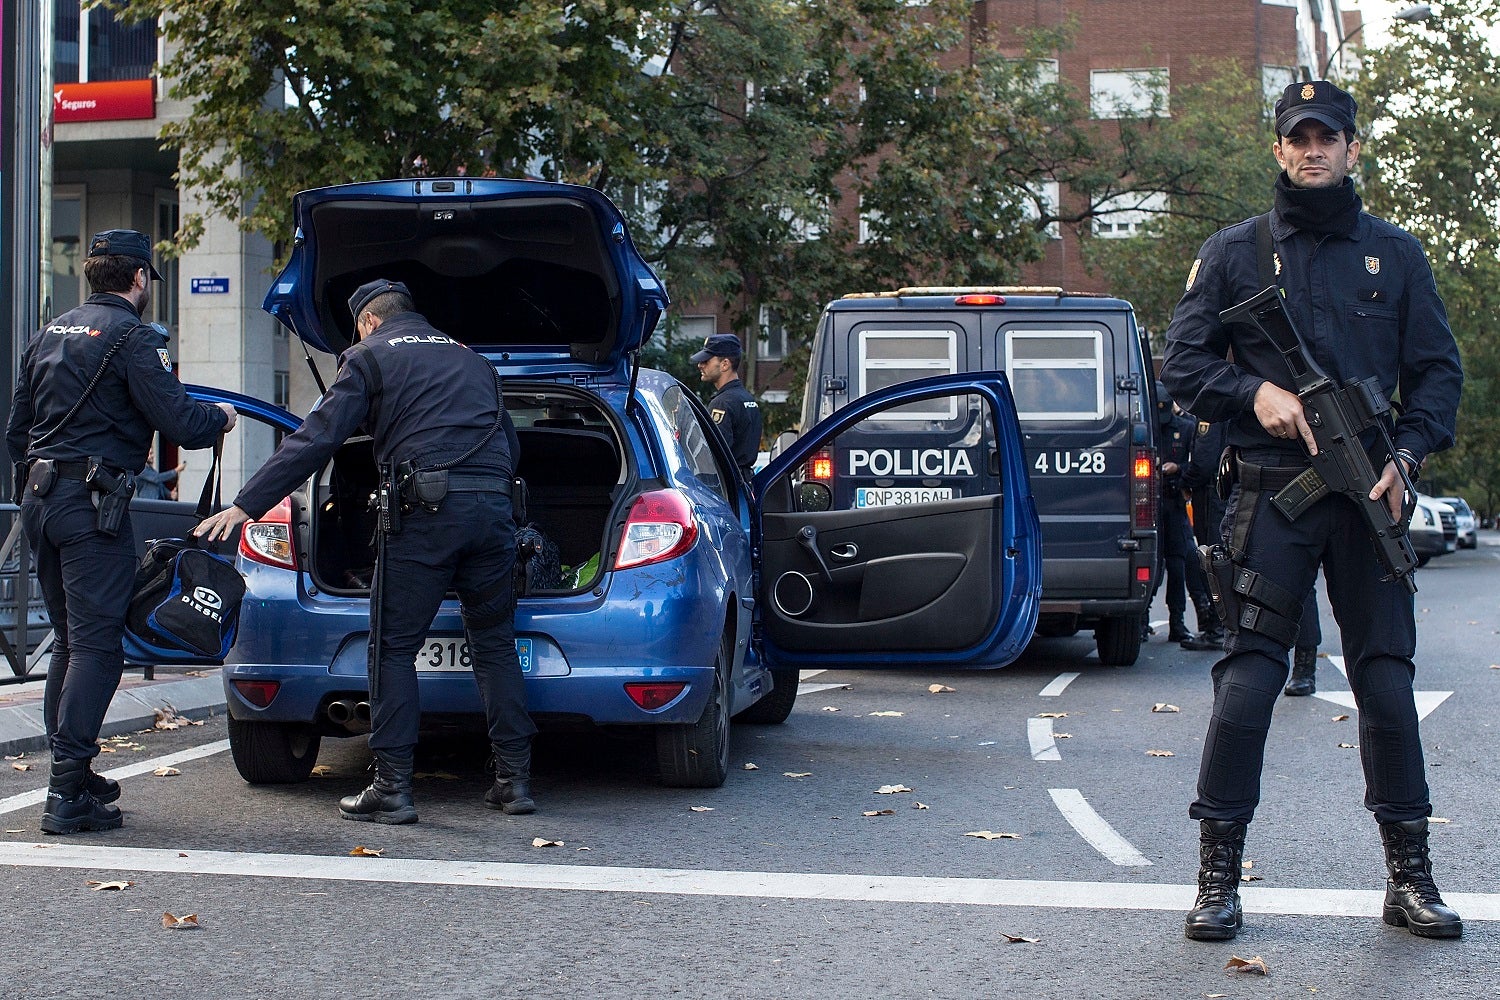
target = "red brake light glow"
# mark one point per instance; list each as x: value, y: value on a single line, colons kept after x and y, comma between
x: 661, y: 526
x: 269, y: 540
x: 978, y: 299
x: 820, y: 466
x: 1143, y: 491
x: 653, y: 696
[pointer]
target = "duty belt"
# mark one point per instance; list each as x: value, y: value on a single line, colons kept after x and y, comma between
x: 70, y: 470
x: 477, y: 484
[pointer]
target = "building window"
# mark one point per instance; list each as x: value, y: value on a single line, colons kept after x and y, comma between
x: 1274, y: 80
x: 887, y: 357
x: 695, y: 329
x: 1127, y: 214
x: 869, y: 224
x: 1041, y: 72
x: 772, y: 345
x: 1049, y: 194
x: 1056, y: 374
x: 93, y: 43
x: 1129, y: 93
x: 281, y: 389
x: 164, y: 295
x: 67, y: 250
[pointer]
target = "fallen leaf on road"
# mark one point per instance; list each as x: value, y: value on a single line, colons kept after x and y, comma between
x: 1247, y: 864
x: 15, y: 831
x: 322, y: 771
x: 1162, y: 706
x: 1348, y: 746
x: 14, y: 756
x: 184, y: 923
x: 1052, y: 715
x: 361, y: 851
x: 544, y: 842
x: 829, y: 708
x: 181, y: 855
x: 796, y: 774
x: 585, y: 848
x: 1160, y: 753
x: 1438, y: 819
x: 106, y: 748
x: 878, y: 812
x: 1062, y: 736
x: 888, y: 715
x: 940, y: 689
x: 102, y: 886
x: 1341, y: 718
x: 987, y: 835
x: 891, y: 789
x: 1252, y: 878
x: 166, y: 772
x: 1256, y: 965
x: 1215, y: 996
x: 701, y: 809
x: 1018, y: 939
x: 21, y: 767
x: 752, y: 767
x: 914, y: 805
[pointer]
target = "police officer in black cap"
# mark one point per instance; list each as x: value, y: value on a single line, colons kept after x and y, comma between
x: 434, y: 408
x: 95, y: 386
x: 734, y: 410
x: 1362, y: 294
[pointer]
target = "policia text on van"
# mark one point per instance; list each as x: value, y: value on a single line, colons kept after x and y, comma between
x: 1076, y: 364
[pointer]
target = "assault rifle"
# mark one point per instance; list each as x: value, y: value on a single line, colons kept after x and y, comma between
x: 1337, y: 416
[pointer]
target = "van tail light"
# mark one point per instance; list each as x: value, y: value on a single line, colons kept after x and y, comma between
x: 1143, y: 490
x: 660, y: 526
x: 269, y: 540
x: 820, y: 466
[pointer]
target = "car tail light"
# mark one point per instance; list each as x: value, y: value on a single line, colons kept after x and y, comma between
x: 269, y: 540
x: 977, y: 299
x: 660, y: 526
x: 653, y: 696
x: 1143, y: 488
x: 257, y: 693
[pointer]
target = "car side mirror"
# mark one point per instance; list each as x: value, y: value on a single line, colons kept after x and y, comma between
x: 814, y: 497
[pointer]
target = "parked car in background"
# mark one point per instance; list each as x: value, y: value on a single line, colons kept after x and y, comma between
x: 1465, y: 521
x: 1433, y: 529
x: 680, y: 596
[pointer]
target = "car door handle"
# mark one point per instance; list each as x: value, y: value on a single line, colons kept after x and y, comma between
x: 847, y: 550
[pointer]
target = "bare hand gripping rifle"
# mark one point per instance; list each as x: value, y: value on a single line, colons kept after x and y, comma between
x: 1337, y: 416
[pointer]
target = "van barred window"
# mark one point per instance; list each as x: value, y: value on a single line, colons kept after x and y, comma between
x: 1056, y: 374
x: 887, y: 357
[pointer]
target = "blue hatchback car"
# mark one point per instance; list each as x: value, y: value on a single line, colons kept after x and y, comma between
x: 671, y: 593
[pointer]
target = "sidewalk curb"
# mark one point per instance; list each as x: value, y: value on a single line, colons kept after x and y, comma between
x: 22, y: 729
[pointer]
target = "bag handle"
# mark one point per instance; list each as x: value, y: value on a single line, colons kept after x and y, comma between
x: 211, y: 498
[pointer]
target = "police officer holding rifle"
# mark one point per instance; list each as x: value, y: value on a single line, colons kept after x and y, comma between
x: 446, y: 448
x: 1329, y: 312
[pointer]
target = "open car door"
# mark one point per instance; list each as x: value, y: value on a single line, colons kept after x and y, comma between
x: 882, y: 549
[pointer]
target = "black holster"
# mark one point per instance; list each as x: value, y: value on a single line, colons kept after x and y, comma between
x: 113, y: 500
x: 387, y: 503
x: 1219, y: 570
x: 421, y: 487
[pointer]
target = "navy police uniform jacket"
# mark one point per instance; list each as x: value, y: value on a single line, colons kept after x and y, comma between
x: 1176, y: 446
x: 737, y: 416
x: 423, y: 397
x: 1365, y: 304
x: 124, y: 412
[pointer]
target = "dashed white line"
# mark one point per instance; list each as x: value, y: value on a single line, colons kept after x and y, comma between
x: 1058, y: 685
x: 1043, y: 746
x: 1092, y: 828
x: 1426, y: 701
x: 806, y: 688
x: 31, y: 798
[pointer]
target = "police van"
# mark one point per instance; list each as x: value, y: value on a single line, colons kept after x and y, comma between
x: 1077, y: 368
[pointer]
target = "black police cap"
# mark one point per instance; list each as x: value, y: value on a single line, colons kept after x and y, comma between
x: 1318, y: 100
x: 124, y: 243
x: 720, y: 345
x: 370, y: 290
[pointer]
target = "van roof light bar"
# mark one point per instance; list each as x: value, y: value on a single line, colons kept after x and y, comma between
x: 914, y: 290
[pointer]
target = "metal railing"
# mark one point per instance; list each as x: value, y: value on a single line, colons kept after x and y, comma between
x: 23, y: 615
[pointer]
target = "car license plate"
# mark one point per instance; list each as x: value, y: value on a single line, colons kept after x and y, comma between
x: 450, y: 653
x: 867, y: 496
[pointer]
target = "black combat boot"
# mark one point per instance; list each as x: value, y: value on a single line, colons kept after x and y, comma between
x: 1177, y: 629
x: 388, y: 799
x: 1411, y: 897
x: 104, y: 790
x: 511, y: 791
x: 1210, y: 630
x: 1304, y: 671
x: 70, y: 807
x: 1217, y: 915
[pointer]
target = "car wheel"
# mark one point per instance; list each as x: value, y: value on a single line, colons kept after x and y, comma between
x: 1423, y: 560
x: 696, y: 755
x: 273, y: 753
x: 1119, y: 640
x: 774, y: 708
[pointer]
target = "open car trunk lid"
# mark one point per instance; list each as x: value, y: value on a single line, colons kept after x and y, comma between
x: 543, y: 275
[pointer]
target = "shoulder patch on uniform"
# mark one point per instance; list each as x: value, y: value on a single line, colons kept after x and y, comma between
x: 751, y: 404
x: 1193, y: 274
x: 1372, y: 264
x: 717, y: 414
x: 166, y: 360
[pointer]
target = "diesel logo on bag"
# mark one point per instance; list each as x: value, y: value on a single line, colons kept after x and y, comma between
x: 205, y: 602
x: 207, y: 598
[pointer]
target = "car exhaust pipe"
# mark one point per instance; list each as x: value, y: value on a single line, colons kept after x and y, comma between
x: 341, y: 712
x: 362, y: 713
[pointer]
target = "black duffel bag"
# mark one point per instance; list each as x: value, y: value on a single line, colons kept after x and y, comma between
x: 186, y: 604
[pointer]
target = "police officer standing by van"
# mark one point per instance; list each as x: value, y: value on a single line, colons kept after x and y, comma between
x: 734, y: 410
x: 1362, y: 294
x: 95, y: 386
x: 436, y: 413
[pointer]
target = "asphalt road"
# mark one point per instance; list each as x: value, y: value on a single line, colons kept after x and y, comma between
x: 783, y: 887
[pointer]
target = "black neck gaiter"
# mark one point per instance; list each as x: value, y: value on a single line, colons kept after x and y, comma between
x: 1318, y: 210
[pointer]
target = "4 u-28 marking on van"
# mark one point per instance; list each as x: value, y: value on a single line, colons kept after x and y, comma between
x: 1087, y: 462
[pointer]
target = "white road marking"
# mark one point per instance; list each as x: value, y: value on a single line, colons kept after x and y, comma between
x: 1043, y: 746
x: 31, y: 798
x: 1427, y: 701
x: 803, y: 675
x: 687, y: 882
x: 1058, y: 686
x: 1092, y: 828
x: 806, y: 688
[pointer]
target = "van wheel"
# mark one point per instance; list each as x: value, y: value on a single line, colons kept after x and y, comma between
x: 273, y: 753
x: 1119, y: 640
x: 774, y: 708
x: 696, y: 755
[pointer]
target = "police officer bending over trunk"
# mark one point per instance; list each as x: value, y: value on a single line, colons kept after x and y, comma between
x: 446, y: 444
x: 1361, y: 293
x: 735, y: 412
x: 95, y: 386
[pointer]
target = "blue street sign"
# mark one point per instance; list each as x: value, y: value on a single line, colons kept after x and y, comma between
x: 210, y: 286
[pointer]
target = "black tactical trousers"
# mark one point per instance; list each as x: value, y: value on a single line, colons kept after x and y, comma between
x: 86, y: 580
x: 468, y: 546
x: 1378, y: 629
x: 1183, y: 574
